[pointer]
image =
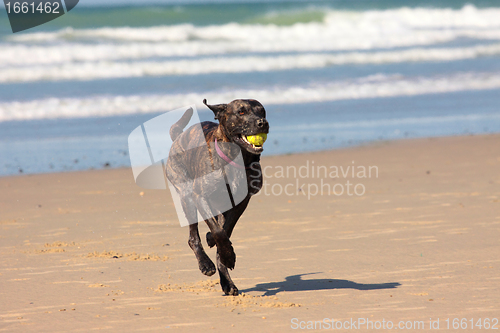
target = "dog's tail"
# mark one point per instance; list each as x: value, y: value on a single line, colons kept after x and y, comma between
x: 177, y: 128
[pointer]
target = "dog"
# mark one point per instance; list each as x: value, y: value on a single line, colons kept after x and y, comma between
x: 203, y: 155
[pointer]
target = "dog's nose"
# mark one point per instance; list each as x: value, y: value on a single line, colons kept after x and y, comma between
x: 262, y: 124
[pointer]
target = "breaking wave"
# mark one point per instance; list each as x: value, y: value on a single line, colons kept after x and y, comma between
x: 107, y: 70
x: 375, y: 86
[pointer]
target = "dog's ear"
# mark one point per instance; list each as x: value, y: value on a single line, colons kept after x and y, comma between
x: 218, y: 109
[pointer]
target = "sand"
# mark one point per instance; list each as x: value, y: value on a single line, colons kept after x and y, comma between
x: 86, y: 251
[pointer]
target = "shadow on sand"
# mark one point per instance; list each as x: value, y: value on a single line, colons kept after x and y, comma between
x: 295, y: 283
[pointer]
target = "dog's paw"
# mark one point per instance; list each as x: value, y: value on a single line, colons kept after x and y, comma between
x: 231, y: 290
x: 210, y: 240
x: 207, y: 266
x: 227, y: 255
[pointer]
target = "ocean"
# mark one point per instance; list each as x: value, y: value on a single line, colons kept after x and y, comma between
x: 330, y: 74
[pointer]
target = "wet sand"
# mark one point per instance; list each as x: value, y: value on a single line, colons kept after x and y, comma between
x: 416, y: 240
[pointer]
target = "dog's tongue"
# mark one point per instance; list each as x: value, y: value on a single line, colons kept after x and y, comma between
x: 257, y: 139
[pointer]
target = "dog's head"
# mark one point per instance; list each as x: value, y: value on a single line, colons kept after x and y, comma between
x: 242, y: 118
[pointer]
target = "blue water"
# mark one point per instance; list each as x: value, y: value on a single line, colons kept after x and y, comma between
x: 330, y: 74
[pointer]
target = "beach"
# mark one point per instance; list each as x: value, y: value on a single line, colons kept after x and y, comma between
x: 412, y: 241
x: 380, y: 208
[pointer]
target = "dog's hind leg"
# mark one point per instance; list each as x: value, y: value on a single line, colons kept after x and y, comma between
x: 206, y: 265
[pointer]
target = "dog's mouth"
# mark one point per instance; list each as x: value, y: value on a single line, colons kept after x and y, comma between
x: 253, y: 148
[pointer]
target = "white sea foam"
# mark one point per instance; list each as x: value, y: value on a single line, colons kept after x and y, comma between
x: 17, y: 55
x: 340, y: 31
x: 369, y: 87
x: 336, y: 24
x: 106, y: 70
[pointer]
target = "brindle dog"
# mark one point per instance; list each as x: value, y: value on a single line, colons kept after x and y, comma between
x: 196, y: 174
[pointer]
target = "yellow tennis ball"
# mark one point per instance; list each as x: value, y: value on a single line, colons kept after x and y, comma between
x: 257, y: 139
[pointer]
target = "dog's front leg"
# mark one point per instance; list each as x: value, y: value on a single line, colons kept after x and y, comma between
x: 224, y: 246
x: 225, y: 280
x: 231, y: 217
x: 225, y: 249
